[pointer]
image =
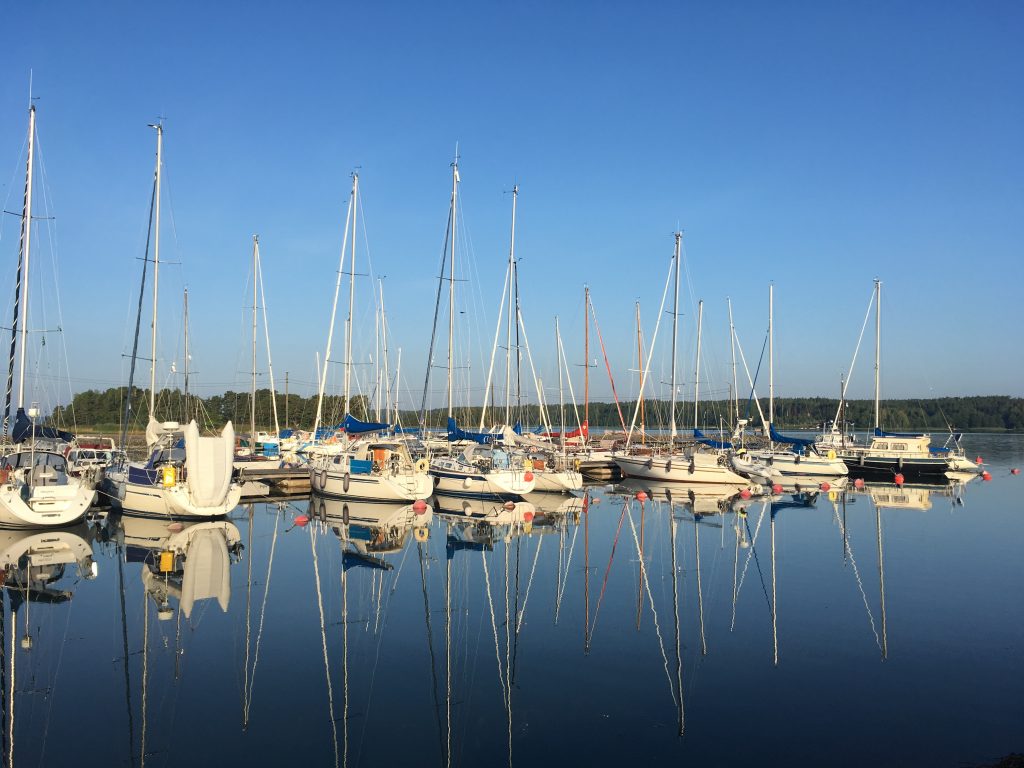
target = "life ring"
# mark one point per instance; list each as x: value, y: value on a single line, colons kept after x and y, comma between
x: 831, y: 455
x: 345, y: 480
x: 422, y: 465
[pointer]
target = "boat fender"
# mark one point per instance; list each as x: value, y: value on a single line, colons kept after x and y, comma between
x: 321, y: 478
x: 797, y: 459
x: 899, y: 463
x: 323, y: 511
x: 692, y: 468
x: 668, y: 466
x: 344, y: 513
x: 467, y: 482
x: 649, y: 464
x: 722, y: 460
x: 345, y: 482
x: 831, y: 455
x: 422, y: 465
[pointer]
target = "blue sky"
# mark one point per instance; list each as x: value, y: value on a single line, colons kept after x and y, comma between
x: 818, y: 145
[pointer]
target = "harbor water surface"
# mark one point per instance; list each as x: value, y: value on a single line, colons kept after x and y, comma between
x: 880, y: 626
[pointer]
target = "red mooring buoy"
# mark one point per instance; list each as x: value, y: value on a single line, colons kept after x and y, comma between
x: 419, y: 506
x: 898, y: 479
x: 825, y: 486
x: 641, y: 496
x: 528, y: 477
x: 986, y: 476
x: 776, y: 489
x: 858, y: 483
x: 745, y: 493
x: 302, y: 521
x: 1015, y: 471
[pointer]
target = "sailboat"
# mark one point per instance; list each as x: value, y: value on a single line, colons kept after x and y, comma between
x: 802, y: 459
x: 482, y: 468
x: 36, y: 489
x: 889, y: 453
x: 186, y: 475
x: 366, y: 465
x: 695, y: 465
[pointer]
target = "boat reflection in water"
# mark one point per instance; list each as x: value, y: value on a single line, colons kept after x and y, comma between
x: 182, y: 560
x: 371, y: 529
x: 34, y: 571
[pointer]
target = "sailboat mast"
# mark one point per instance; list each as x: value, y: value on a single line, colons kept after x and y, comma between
x: 586, y: 355
x: 451, y: 277
x: 26, y: 241
x: 351, y: 296
x: 640, y: 367
x: 675, y: 337
x: 561, y: 393
x: 384, y: 352
x: 696, y: 375
x: 732, y: 346
x: 878, y: 350
x: 511, y: 309
x: 771, y: 355
x: 156, y: 272
x: 186, y: 361
x: 252, y: 399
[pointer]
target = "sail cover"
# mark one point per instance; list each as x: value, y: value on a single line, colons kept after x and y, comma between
x: 880, y: 433
x: 484, y: 438
x: 704, y: 440
x: 354, y: 426
x: 208, y: 464
x: 797, y: 441
x: 24, y: 428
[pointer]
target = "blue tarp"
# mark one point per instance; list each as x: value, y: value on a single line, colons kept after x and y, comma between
x: 701, y: 438
x: 354, y: 426
x: 798, y: 441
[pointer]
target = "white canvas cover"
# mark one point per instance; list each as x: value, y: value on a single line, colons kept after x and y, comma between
x: 206, y: 570
x: 208, y: 465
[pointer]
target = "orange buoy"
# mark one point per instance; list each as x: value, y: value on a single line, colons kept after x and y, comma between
x: 858, y: 483
x: 825, y: 486
x: 745, y: 493
x: 528, y: 517
x: 302, y: 521
x: 528, y: 477
x: 986, y: 476
x: 978, y: 460
x: 1014, y: 471
x: 641, y: 496
x: 898, y: 479
x: 419, y: 506
x: 776, y: 489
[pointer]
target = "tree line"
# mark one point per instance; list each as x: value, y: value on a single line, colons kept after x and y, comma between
x: 105, y: 411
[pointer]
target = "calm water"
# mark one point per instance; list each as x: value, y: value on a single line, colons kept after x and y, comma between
x: 898, y: 634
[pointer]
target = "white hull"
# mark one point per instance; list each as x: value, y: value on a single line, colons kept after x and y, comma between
x: 779, y: 466
x: 678, y: 468
x: 557, y: 481
x: 452, y: 480
x: 136, y: 498
x: 399, y: 487
x: 47, y: 506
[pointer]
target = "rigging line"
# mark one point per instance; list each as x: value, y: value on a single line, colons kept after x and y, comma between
x: 604, y: 581
x: 608, y: 367
x: 757, y: 562
x: 673, y: 526
x: 138, y: 321
x: 867, y: 316
x: 856, y: 574
x: 430, y: 646
x: 433, y: 332
x: 53, y: 687
x: 645, y: 374
x: 263, y: 608
x: 565, y: 576
x: 657, y: 627
x: 753, y: 544
x: 529, y: 583
x: 323, y: 639
x: 494, y: 628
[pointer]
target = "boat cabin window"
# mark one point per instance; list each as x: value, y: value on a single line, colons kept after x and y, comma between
x: 883, y: 446
x: 899, y: 446
x: 167, y: 456
x: 22, y: 459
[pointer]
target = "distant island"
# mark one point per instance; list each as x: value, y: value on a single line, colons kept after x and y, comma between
x: 104, y: 411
